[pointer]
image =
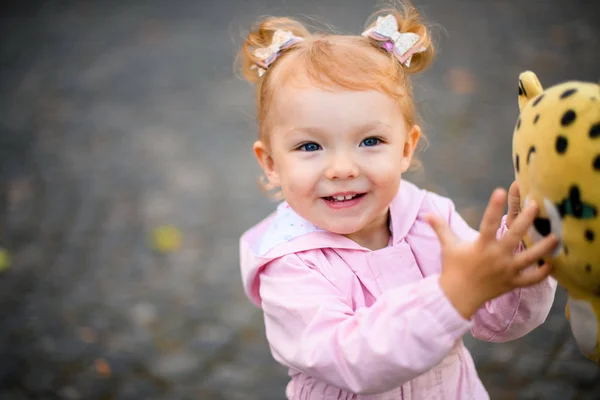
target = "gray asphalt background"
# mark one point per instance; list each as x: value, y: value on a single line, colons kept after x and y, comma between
x: 120, y: 116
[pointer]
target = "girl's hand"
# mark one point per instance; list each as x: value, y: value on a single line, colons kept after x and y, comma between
x: 475, y: 272
x: 514, y: 203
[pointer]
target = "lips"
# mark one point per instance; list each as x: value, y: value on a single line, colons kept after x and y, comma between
x: 343, y: 201
x: 343, y: 197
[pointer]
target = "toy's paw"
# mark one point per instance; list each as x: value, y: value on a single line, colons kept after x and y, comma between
x: 584, y: 325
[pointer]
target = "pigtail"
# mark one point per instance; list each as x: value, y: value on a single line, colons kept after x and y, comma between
x: 409, y: 20
x: 262, y: 36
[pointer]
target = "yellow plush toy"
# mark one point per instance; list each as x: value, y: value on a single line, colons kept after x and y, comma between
x: 556, y: 156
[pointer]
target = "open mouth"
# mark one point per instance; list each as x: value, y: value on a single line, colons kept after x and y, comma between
x: 340, y: 199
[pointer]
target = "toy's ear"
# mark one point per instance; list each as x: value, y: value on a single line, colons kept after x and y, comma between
x: 529, y: 88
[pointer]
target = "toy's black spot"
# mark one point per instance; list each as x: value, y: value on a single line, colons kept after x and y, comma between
x: 520, y: 90
x: 517, y: 162
x: 536, y: 119
x: 589, y: 235
x: 596, y: 163
x: 575, y: 197
x: 540, y: 262
x: 566, y: 250
x: 568, y: 118
x: 561, y: 144
x: 588, y: 268
x: 529, y: 153
x: 567, y: 93
x: 519, y: 123
x: 595, y: 131
x: 537, y: 101
x: 542, y: 225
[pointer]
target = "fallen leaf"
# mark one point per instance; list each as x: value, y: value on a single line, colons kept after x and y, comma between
x: 4, y: 260
x: 461, y: 81
x: 559, y: 35
x: 152, y: 32
x: 102, y: 367
x: 87, y: 335
x: 166, y: 239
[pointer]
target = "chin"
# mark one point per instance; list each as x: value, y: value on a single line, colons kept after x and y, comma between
x: 341, y: 229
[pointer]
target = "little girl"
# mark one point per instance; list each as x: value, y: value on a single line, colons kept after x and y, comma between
x: 367, y: 282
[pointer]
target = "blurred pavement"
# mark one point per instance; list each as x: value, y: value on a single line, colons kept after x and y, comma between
x: 118, y: 117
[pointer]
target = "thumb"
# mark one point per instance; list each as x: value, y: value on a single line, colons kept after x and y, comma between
x: 514, y: 194
x: 514, y: 203
x: 441, y: 229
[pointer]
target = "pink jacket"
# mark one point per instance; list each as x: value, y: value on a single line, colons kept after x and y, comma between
x: 351, y: 323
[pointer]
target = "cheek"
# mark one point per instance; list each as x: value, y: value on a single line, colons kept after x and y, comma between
x: 384, y: 172
x: 298, y: 179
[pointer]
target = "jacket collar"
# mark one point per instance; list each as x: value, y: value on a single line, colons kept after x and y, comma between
x: 288, y: 232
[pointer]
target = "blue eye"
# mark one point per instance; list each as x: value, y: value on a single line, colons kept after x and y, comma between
x: 370, y: 142
x: 312, y: 146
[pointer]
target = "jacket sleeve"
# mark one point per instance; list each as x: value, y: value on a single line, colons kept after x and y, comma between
x: 312, y: 327
x: 513, y: 314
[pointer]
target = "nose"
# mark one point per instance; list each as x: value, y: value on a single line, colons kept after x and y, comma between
x: 341, y: 166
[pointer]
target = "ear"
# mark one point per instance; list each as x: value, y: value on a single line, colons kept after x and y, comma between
x: 529, y: 88
x: 266, y: 162
x: 412, y: 139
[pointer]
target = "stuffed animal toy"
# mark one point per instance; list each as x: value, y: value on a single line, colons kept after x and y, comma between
x: 556, y: 156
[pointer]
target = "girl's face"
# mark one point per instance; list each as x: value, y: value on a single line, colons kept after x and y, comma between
x: 337, y: 155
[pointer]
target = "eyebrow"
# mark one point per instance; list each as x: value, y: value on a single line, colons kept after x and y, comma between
x: 362, y: 128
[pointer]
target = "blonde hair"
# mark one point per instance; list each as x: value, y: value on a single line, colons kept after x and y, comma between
x: 346, y: 62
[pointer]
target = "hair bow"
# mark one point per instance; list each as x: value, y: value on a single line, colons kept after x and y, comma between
x: 403, y: 45
x: 267, y: 55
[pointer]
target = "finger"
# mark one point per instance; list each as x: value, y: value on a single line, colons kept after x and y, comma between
x: 441, y: 229
x: 534, y: 253
x: 513, y: 190
x: 492, y: 215
x: 520, y: 225
x: 531, y: 276
x: 514, y: 203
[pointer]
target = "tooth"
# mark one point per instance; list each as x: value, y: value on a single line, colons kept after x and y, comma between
x: 350, y: 197
x: 339, y: 198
